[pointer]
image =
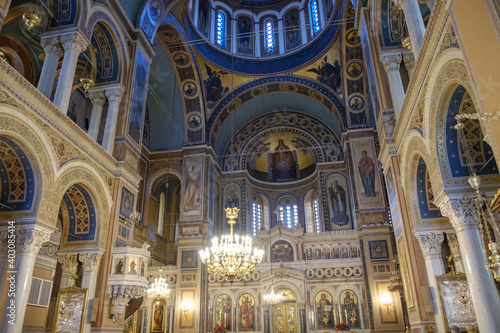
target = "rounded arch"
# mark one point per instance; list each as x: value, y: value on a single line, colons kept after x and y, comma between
x: 310, y: 204
x: 412, y: 148
x: 21, y: 130
x: 264, y: 214
x: 101, y: 15
x: 448, y: 68
x: 83, y: 175
x: 155, y: 177
x: 283, y: 284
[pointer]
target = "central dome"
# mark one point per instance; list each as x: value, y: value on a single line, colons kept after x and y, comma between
x: 260, y: 29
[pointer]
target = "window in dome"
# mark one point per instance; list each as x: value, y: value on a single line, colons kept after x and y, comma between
x: 288, y: 213
x: 256, y: 217
x: 315, y: 211
x: 269, y: 33
x: 314, y: 13
x: 221, y: 29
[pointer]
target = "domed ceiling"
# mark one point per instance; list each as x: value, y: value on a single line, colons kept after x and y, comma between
x: 222, y: 93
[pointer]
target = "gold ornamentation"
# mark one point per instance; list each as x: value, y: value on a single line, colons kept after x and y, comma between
x: 231, y: 258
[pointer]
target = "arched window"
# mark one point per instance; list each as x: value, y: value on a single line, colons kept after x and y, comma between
x: 257, y: 213
x: 269, y: 35
x: 288, y: 213
x: 315, y: 211
x: 221, y: 29
x: 314, y: 15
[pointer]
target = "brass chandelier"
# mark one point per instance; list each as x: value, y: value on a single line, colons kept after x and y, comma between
x: 232, y: 257
x: 159, y: 289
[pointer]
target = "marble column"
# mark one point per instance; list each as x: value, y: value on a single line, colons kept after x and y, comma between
x: 196, y: 12
x: 281, y: 37
x: 114, y: 96
x: 463, y: 216
x: 53, y: 52
x: 91, y: 263
x: 430, y: 243
x: 97, y: 97
x: 69, y: 266
x: 455, y: 251
x: 409, y: 62
x: 414, y: 22
x: 73, y: 45
x: 303, y: 26
x: 391, y: 64
x: 267, y: 320
x: 234, y: 37
x: 28, y: 243
x: 257, y: 39
x: 213, y: 23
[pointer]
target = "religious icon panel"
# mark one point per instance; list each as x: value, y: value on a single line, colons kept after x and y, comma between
x: 324, y: 311
x: 247, y: 313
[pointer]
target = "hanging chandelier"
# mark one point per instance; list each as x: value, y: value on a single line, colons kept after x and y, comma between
x: 232, y: 257
x: 159, y: 289
x: 271, y: 298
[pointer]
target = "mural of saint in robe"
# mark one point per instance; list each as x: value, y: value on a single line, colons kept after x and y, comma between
x: 223, y: 312
x: 245, y: 33
x: 283, y: 162
x: 158, y: 316
x: 247, y: 313
x: 328, y: 74
x: 349, y: 308
x: 366, y: 169
x: 338, y: 202
x: 324, y: 311
x: 213, y: 86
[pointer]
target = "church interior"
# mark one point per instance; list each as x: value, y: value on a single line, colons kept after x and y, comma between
x: 271, y: 166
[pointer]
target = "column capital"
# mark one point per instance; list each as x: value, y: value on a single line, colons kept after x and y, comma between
x: 391, y: 62
x: 68, y: 262
x: 29, y: 241
x: 461, y: 213
x: 52, y: 45
x: 114, y: 93
x: 97, y: 97
x: 409, y: 60
x: 401, y: 3
x: 74, y: 42
x: 389, y: 122
x: 91, y: 262
x: 430, y: 244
